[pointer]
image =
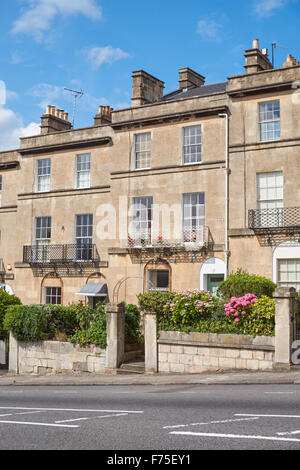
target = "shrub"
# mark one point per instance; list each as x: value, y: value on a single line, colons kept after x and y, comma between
x: 5, y: 301
x: 154, y: 301
x: 252, y: 316
x: 64, y: 319
x: 96, y: 331
x: 188, y: 308
x: 132, y: 324
x: 40, y: 322
x: 241, y: 282
x: 238, y: 307
x: 29, y: 323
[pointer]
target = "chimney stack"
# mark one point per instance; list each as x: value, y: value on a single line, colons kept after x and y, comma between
x: 189, y: 78
x: 145, y: 88
x: 103, y: 116
x: 290, y: 61
x: 256, y: 60
x: 54, y: 120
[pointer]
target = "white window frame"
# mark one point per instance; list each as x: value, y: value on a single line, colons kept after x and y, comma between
x: 155, y: 272
x: 141, y: 218
x: 79, y: 171
x: 191, y: 145
x: 264, y: 120
x: 289, y: 262
x: 270, y: 197
x: 192, y: 220
x: 52, y: 295
x: 147, y: 158
x: 81, y: 247
x: 41, y: 242
x: 39, y: 177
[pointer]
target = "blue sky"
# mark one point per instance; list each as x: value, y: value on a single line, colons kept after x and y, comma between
x: 94, y: 45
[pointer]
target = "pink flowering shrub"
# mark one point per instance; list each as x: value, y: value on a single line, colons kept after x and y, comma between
x: 190, y: 306
x: 239, y: 308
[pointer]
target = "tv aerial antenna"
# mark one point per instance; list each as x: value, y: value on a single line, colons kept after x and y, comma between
x: 274, y: 46
x: 76, y: 94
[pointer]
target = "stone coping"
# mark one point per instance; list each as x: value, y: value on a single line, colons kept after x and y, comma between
x: 215, y: 340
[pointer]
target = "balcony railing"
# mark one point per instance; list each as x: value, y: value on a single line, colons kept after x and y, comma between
x: 60, y: 254
x: 263, y: 219
x: 190, y: 238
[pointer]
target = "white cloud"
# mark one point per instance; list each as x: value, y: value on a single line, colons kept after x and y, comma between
x: 12, y: 128
x: 209, y: 29
x: 97, y: 56
x: 265, y: 8
x: 37, y: 17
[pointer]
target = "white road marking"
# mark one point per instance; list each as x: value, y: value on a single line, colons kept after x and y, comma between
x: 27, y: 413
x: 211, y: 422
x: 92, y: 417
x: 27, y: 423
x: 69, y: 409
x: 8, y: 414
x: 287, y: 433
x: 234, y: 436
x: 267, y: 416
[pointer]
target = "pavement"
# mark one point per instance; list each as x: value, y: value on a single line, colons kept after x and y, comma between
x: 209, y: 378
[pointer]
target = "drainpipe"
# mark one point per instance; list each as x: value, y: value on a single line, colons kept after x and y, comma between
x: 226, y: 251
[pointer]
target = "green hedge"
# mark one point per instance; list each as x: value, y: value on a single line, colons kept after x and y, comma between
x: 40, y: 322
x: 241, y: 283
x: 78, y: 324
x: 5, y: 301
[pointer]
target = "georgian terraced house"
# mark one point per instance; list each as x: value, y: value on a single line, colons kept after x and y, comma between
x: 173, y: 193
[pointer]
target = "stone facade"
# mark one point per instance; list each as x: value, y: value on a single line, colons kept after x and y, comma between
x: 232, y: 157
x: 193, y: 353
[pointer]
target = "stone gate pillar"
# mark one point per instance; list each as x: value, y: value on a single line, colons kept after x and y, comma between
x: 115, y: 319
x: 151, y: 359
x: 284, y: 324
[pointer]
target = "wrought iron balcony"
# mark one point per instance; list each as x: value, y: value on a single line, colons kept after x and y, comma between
x: 60, y: 254
x: 274, y: 219
x: 193, y: 238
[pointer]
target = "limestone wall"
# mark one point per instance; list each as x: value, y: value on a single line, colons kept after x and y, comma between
x: 54, y: 357
x: 199, y: 352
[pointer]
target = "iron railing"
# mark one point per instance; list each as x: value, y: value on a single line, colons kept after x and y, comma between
x: 189, y: 238
x: 60, y: 254
x: 288, y: 217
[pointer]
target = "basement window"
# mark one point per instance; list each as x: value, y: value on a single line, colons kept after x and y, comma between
x: 158, y: 280
x: 53, y: 295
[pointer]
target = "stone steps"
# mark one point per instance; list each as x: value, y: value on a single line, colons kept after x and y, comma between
x: 133, y: 367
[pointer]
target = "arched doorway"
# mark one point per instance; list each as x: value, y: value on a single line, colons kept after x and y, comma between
x: 212, y: 273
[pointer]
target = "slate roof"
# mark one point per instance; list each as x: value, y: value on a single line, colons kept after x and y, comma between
x: 196, y: 91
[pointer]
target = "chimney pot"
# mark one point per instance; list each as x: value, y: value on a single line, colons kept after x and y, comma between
x: 51, y: 124
x: 255, y: 44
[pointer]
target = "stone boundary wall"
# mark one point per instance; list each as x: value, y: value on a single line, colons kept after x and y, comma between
x: 199, y: 352
x: 54, y: 357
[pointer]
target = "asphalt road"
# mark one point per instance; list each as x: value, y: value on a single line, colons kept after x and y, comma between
x: 150, y: 417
